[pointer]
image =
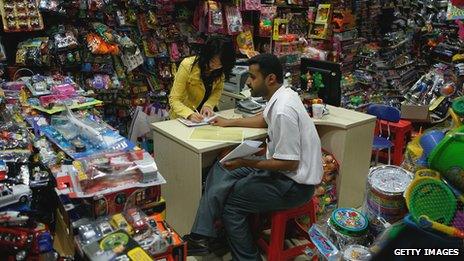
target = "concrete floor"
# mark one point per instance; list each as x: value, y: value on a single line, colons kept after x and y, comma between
x: 227, y: 256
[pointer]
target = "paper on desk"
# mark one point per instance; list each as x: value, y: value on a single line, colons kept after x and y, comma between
x: 190, y: 123
x: 246, y: 148
x: 217, y: 134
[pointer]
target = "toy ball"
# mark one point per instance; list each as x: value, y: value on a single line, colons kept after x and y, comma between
x: 447, y: 89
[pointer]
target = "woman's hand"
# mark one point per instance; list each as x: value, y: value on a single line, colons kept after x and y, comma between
x: 195, y: 117
x: 206, y: 111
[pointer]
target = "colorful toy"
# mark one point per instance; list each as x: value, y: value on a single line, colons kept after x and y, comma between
x: 384, y: 200
x: 117, y: 245
x: 326, y: 192
x: 137, y: 219
x: 324, y: 245
x: 347, y: 226
x: 89, y: 233
x: 234, y: 20
x: 26, y: 241
x: 446, y: 157
x: 21, y: 16
x: 97, y: 45
x: 14, y: 194
x: 119, y: 222
x: 268, y: 12
x: 424, y: 195
x: 3, y: 170
x: 12, y: 218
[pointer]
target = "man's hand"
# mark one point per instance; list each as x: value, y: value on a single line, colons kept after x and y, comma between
x: 219, y: 121
x: 206, y: 111
x: 195, y: 117
x: 233, y: 164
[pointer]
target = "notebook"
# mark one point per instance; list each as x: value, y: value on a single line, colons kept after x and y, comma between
x: 190, y: 123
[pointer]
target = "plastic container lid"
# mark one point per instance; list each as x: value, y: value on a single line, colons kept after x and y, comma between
x: 389, y: 179
x: 349, y: 221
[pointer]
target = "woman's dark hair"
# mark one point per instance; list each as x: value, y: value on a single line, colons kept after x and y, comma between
x: 216, y: 45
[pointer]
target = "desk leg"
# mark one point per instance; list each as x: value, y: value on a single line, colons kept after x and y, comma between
x: 181, y: 167
x: 352, y: 148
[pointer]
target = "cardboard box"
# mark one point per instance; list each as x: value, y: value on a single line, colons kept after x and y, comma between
x: 415, y: 112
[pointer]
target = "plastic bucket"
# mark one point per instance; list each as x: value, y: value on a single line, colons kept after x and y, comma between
x: 448, y: 158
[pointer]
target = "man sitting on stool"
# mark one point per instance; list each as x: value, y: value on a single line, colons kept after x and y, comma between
x: 284, y: 180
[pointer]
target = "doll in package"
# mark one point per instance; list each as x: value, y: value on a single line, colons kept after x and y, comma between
x: 268, y: 12
x: 251, y: 5
x: 234, y: 20
x: 215, y: 18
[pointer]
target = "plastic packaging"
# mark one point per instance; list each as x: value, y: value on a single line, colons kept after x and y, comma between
x: 215, y: 17
x: 83, y: 136
x: 326, y: 192
x: 234, y: 20
x: 325, y: 247
x: 111, y: 170
x: 268, y: 12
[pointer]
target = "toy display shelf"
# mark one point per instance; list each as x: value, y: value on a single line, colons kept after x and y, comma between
x: 18, y: 28
x: 57, y: 109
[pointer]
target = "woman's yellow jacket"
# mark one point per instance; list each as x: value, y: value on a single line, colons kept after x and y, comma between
x: 188, y: 90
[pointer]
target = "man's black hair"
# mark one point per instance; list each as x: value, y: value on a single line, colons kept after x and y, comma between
x: 268, y: 64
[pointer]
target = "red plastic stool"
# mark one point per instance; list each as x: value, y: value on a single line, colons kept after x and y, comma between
x: 275, y: 250
x: 400, y: 131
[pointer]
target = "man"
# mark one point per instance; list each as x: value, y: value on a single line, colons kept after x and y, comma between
x: 284, y: 179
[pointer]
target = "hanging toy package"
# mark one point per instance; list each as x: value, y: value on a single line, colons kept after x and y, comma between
x: 234, y: 20
x: 268, y: 12
x: 2, y: 52
x: 215, y: 19
x: 251, y: 5
x: 245, y: 43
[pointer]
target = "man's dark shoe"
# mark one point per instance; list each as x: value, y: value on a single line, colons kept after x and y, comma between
x: 218, y: 246
x: 197, y: 246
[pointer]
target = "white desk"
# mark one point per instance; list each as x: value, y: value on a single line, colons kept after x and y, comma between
x: 346, y: 134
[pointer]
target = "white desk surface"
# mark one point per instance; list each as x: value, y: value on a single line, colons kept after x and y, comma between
x: 338, y: 117
x: 343, y: 118
x: 180, y: 133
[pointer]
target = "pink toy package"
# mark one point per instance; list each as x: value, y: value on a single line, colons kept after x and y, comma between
x: 234, y: 20
x: 64, y: 89
x: 215, y: 17
x: 251, y: 5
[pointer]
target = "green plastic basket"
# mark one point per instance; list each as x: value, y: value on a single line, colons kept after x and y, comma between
x: 448, y: 157
x: 431, y: 197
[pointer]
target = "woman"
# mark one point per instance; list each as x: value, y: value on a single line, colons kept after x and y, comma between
x: 199, y: 80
